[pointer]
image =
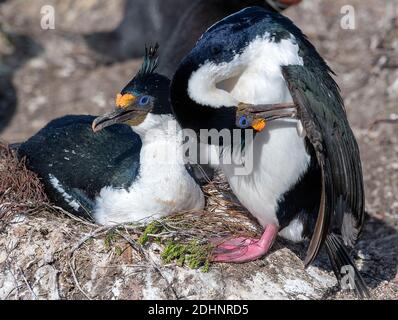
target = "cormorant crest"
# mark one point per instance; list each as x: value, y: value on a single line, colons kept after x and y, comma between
x: 150, y: 61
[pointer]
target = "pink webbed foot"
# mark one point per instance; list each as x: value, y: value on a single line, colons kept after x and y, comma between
x: 239, y: 250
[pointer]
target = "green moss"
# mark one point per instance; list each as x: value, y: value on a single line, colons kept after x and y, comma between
x: 173, y: 251
x: 206, y: 266
x: 154, y: 227
x: 192, y: 255
x: 110, y: 238
x: 118, y: 251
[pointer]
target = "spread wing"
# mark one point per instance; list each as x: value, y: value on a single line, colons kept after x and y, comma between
x: 321, y: 110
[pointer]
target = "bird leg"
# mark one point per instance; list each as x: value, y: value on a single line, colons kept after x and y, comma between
x: 242, y: 249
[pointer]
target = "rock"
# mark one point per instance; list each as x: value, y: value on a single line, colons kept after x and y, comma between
x: 38, y: 266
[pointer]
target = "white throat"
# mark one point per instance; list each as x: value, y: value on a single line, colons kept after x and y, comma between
x: 162, y: 141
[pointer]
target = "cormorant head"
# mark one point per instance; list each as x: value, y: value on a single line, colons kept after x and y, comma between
x: 142, y: 101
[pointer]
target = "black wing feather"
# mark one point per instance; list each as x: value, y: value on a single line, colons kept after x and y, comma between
x: 322, y: 113
x: 341, y: 213
x: 83, y: 161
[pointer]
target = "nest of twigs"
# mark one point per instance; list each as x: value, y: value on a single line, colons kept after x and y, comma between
x: 20, y: 189
x: 186, y: 238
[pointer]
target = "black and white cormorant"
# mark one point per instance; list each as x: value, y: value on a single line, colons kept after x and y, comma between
x: 123, y: 167
x: 306, y: 182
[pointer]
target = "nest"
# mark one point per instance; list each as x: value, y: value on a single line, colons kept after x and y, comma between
x: 185, y: 237
x: 20, y: 189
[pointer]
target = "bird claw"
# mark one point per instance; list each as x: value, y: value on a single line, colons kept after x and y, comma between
x: 244, y: 249
x: 238, y: 250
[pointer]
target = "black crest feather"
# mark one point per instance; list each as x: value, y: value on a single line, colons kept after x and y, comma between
x: 151, y: 60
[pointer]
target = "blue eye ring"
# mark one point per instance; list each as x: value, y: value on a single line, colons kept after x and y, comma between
x: 144, y: 100
x: 244, y: 122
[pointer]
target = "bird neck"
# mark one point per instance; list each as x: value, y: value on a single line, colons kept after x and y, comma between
x: 192, y: 115
x: 162, y: 144
x: 158, y: 127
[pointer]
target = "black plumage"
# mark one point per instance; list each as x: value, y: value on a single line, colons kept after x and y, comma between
x: 83, y: 161
x: 341, y: 214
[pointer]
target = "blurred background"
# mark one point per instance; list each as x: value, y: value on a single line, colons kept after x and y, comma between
x: 95, y: 49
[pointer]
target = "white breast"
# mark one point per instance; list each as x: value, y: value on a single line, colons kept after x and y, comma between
x: 280, y: 157
x: 163, y: 187
x: 279, y: 161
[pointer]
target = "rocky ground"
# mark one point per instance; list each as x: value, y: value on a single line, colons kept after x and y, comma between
x: 56, y: 72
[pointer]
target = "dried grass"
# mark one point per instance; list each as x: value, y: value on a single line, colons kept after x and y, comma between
x: 20, y: 189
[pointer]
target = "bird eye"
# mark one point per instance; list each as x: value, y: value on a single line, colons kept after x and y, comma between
x: 144, y: 101
x: 243, y: 122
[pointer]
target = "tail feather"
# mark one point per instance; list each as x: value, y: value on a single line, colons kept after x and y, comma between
x: 340, y: 258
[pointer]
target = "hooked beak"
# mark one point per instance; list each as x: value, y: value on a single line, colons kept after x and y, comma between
x: 261, y: 114
x: 126, y: 111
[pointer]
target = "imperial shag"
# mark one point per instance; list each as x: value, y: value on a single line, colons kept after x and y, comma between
x: 307, y: 181
x: 130, y: 169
